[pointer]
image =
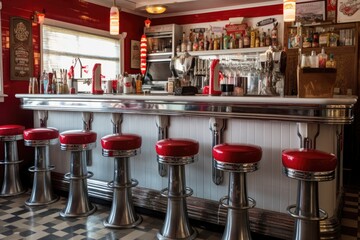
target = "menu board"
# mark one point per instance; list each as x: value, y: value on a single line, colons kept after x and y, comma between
x: 21, y: 51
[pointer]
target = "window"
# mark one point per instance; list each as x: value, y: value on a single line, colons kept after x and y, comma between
x: 65, y: 45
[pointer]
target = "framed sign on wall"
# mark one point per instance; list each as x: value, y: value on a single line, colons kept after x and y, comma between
x: 348, y: 11
x: 135, y: 54
x: 310, y: 12
x: 21, y: 51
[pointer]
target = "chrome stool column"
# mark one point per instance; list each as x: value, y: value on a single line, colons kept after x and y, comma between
x: 10, y: 134
x: 121, y: 147
x: 176, y: 153
x: 77, y: 142
x: 309, y: 166
x: 41, y: 139
x: 237, y: 159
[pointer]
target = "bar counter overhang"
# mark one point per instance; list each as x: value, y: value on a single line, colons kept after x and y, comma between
x: 337, y: 110
x: 274, y: 123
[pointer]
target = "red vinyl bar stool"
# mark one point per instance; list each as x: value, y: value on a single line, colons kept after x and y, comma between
x: 309, y: 166
x: 41, y: 139
x: 10, y: 134
x: 121, y: 147
x: 176, y: 153
x: 237, y: 159
x: 78, y: 142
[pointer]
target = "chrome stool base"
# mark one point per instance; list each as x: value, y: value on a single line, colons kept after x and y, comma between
x: 78, y: 204
x: 133, y: 223
x: 40, y: 202
x: 191, y: 237
x: 237, y: 226
x: 177, y: 224
x: 11, y: 185
x: 122, y: 214
x: 41, y: 193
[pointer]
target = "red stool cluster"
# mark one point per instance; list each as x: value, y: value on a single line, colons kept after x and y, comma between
x: 176, y: 153
x: 77, y: 142
x: 237, y: 159
x: 41, y: 139
x: 308, y: 166
x: 10, y: 134
x: 121, y: 147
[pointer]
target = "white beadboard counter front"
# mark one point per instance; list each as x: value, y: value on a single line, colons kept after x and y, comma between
x: 274, y: 123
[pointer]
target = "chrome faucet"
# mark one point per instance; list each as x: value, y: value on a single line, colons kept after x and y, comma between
x: 81, y: 66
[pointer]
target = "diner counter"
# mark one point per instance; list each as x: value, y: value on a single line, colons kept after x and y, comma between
x: 273, y: 123
x: 337, y: 110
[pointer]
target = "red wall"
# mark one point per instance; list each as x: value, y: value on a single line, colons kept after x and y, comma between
x: 74, y: 11
x: 266, y: 11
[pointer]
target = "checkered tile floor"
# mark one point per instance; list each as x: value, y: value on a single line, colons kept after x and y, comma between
x: 20, y: 222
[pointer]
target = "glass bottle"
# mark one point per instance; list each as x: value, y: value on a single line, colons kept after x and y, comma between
x: 189, y: 45
x: 262, y: 38
x: 257, y: 39
x: 246, y: 40
x: 322, y: 58
x: 241, y: 41
x: 268, y: 38
x: 195, y: 44
x: 211, y: 42
x: 183, y: 43
x: 331, y: 63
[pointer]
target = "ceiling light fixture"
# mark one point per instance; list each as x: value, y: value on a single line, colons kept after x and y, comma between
x: 114, y: 20
x: 38, y: 17
x: 289, y: 10
x: 155, y: 9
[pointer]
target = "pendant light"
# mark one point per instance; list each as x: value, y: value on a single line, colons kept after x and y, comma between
x: 143, y: 52
x: 114, y: 20
x: 289, y: 10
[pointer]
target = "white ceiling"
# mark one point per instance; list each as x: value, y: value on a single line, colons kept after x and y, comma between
x: 182, y: 7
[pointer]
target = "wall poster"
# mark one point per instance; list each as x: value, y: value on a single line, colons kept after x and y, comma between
x: 310, y: 12
x: 21, y: 51
x: 135, y: 54
x: 348, y: 11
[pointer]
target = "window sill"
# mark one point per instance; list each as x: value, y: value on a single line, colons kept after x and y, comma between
x: 2, y: 97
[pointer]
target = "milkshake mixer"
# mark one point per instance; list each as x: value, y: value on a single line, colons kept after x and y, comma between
x: 272, y: 73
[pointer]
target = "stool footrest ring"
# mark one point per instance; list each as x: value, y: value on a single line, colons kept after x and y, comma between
x: 33, y: 169
x: 291, y: 210
x: 224, y: 202
x: 132, y: 184
x: 68, y: 176
x: 165, y: 193
x: 9, y: 163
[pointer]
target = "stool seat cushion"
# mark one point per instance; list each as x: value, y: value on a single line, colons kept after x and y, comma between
x: 41, y: 134
x: 121, y: 142
x: 177, y: 147
x: 8, y: 130
x: 77, y: 137
x: 310, y: 160
x: 237, y: 153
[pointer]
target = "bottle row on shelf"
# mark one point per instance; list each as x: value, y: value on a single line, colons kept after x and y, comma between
x: 319, y: 36
x: 229, y: 37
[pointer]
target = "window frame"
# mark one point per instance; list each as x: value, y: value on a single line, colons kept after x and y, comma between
x: 84, y: 29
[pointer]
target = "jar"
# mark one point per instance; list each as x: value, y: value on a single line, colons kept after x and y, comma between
x: 127, y: 85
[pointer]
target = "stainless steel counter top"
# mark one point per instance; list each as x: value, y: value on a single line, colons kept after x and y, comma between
x: 337, y: 110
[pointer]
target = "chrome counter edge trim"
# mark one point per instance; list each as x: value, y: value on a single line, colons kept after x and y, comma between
x: 341, y: 113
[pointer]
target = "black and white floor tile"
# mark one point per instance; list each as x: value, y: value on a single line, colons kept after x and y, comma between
x: 18, y: 221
